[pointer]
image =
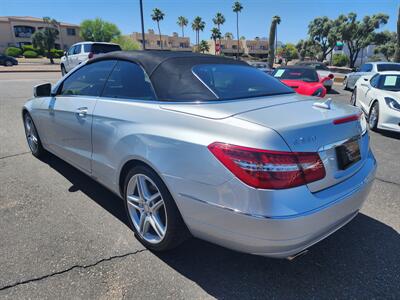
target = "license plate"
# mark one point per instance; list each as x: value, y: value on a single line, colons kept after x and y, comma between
x: 347, y: 154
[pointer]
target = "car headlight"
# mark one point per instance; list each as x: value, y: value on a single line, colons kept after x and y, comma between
x: 392, y: 103
x: 318, y: 92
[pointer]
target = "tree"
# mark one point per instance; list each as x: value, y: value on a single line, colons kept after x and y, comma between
x: 340, y: 60
x: 98, y: 30
x: 158, y: 16
x: 385, y: 42
x: 203, y: 46
x: 237, y: 8
x: 397, y: 54
x: 359, y: 34
x: 288, y: 52
x: 45, y: 38
x: 215, y: 35
x: 325, y: 32
x: 182, y: 22
x: 219, y: 20
x: 126, y: 43
x: 228, y: 35
x: 271, y: 42
x: 308, y: 48
x: 198, y: 25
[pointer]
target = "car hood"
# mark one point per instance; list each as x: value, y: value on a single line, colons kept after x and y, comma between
x: 225, y: 109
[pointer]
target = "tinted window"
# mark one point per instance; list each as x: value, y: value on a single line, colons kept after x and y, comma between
x: 77, y: 49
x: 88, y: 80
x: 87, y: 48
x: 389, y: 82
x: 71, y: 50
x: 374, y: 81
x: 128, y: 80
x: 388, y: 67
x: 105, y: 48
x: 236, y: 81
x: 307, y: 75
x: 366, y: 68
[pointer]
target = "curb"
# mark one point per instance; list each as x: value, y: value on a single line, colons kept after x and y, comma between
x: 29, y: 71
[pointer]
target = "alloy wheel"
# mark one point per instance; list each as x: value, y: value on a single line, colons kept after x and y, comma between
x: 353, y: 97
x: 31, y: 134
x: 373, y: 116
x: 146, y: 208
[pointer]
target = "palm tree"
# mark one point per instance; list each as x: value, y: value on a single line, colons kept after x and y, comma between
x: 215, y: 35
x: 203, y: 46
x: 198, y: 25
x: 228, y: 35
x: 237, y: 8
x: 158, y: 16
x: 272, y: 35
x: 397, y: 52
x: 219, y: 20
x: 182, y: 22
x: 46, y: 37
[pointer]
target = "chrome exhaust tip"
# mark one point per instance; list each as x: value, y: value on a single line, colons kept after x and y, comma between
x: 301, y: 253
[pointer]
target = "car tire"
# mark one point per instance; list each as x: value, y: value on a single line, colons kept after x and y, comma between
x: 353, y: 99
x: 32, y: 137
x: 373, y: 116
x: 8, y: 63
x: 63, y: 71
x: 159, y: 227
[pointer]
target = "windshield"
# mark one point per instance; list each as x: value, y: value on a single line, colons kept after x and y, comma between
x: 388, y: 67
x: 389, y: 82
x: 237, y: 81
x: 307, y: 75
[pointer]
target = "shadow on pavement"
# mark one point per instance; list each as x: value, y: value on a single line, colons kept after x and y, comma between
x: 359, y: 261
x: 389, y: 134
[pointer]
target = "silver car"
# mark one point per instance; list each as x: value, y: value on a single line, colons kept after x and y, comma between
x: 368, y: 69
x: 207, y: 146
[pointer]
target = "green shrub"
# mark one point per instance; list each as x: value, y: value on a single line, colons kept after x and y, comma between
x: 13, y: 51
x: 30, y: 54
x: 31, y: 48
x: 56, y: 53
x: 340, y: 60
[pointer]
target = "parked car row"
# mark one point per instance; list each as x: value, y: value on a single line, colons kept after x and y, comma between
x: 209, y: 146
x: 7, y: 61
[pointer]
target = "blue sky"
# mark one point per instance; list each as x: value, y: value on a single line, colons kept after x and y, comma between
x: 254, y: 19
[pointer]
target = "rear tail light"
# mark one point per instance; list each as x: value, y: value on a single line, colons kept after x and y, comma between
x: 90, y: 55
x: 347, y: 119
x: 266, y: 169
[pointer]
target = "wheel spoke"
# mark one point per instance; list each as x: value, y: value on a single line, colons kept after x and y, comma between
x: 142, y: 188
x: 134, y: 201
x: 157, y: 226
x: 143, y: 224
x: 157, y: 205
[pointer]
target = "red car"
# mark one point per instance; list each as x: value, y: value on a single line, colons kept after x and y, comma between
x: 303, y: 80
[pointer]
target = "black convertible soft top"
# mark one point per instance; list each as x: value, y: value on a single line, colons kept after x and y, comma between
x: 171, y: 73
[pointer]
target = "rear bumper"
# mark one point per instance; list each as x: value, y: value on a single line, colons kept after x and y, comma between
x: 280, y: 236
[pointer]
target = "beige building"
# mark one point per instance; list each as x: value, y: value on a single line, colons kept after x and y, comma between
x: 152, y: 40
x: 17, y: 31
x: 257, y: 47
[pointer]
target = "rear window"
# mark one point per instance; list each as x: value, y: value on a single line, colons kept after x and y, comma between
x: 104, y: 48
x: 236, y: 81
x: 388, y: 67
x: 307, y: 75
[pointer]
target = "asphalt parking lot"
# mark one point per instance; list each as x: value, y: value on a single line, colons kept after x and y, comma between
x: 62, y: 235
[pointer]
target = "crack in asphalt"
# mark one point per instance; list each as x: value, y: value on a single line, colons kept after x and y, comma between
x: 387, y: 181
x: 70, y: 269
x: 13, y: 155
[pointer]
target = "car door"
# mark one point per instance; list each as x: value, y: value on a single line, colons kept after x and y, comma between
x: 69, y: 59
x: 70, y: 113
x: 364, y: 70
x: 364, y: 91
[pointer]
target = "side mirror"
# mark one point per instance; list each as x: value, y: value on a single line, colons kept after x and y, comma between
x: 65, y: 53
x: 42, y: 90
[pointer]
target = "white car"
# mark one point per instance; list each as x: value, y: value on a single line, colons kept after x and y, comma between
x: 368, y: 69
x: 83, y: 51
x: 378, y: 96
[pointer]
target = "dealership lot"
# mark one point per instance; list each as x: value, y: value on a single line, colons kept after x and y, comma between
x: 63, y: 235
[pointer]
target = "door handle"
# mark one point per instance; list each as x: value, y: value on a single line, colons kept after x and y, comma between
x: 82, y: 111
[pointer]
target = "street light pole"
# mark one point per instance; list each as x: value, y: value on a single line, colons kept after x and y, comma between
x: 141, y: 17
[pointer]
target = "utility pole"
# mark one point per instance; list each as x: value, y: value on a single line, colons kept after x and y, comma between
x: 276, y: 43
x: 141, y: 17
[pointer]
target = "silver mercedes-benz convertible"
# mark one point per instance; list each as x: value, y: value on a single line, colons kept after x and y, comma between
x: 207, y: 146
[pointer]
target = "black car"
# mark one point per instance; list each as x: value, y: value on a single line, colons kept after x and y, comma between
x: 7, y: 60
